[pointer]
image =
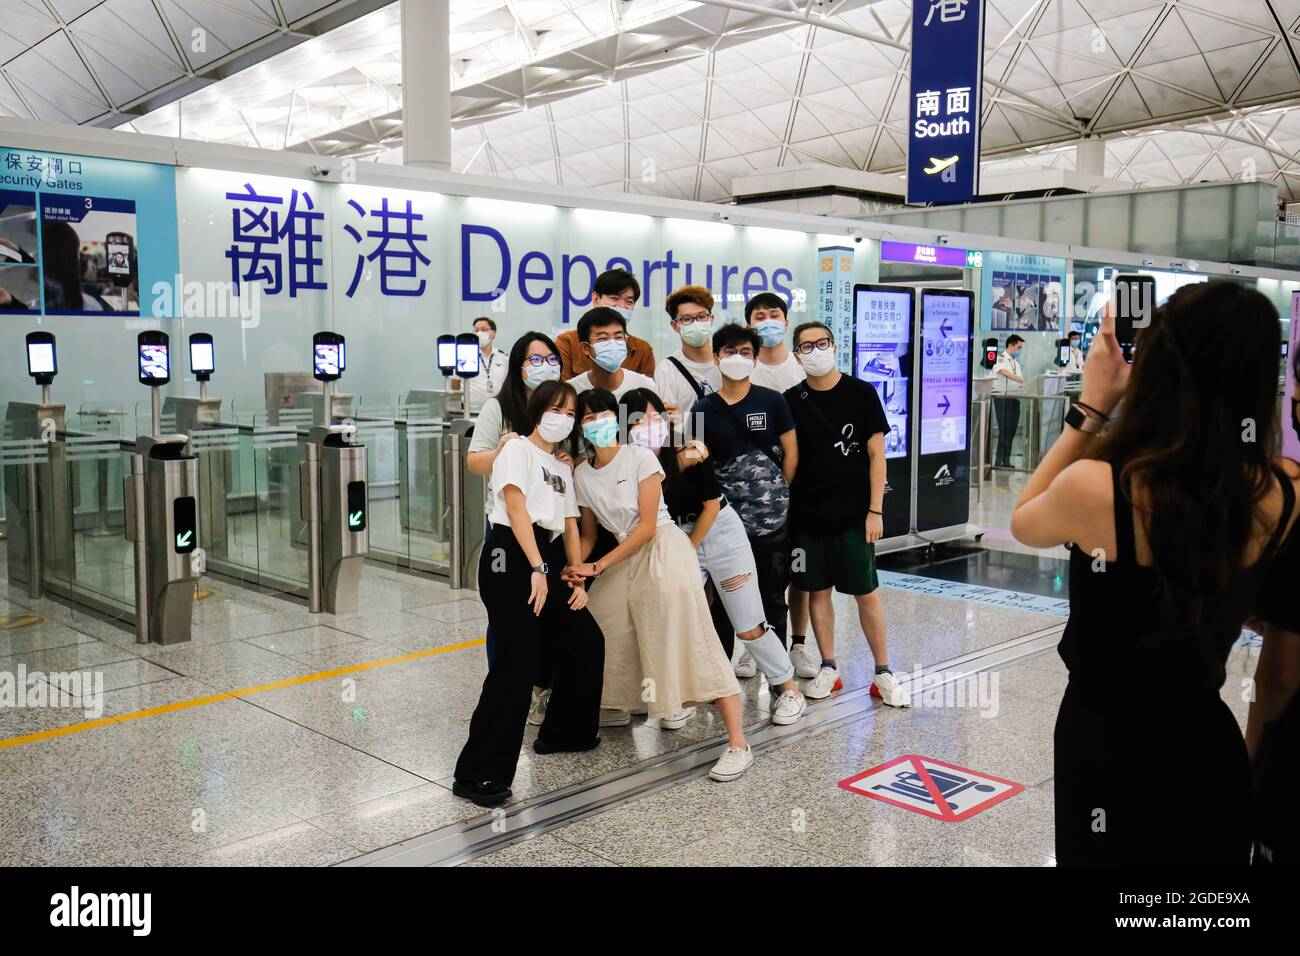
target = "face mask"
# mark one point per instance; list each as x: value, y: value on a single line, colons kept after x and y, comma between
x: 535, y: 375
x: 771, y: 332
x: 484, y: 338
x: 555, y: 427
x: 697, y: 333
x: 610, y: 354
x: 626, y: 313
x: 818, y: 361
x: 653, y: 436
x: 602, y: 432
x: 736, y: 367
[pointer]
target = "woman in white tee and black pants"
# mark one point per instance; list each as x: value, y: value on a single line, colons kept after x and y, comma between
x: 533, y: 536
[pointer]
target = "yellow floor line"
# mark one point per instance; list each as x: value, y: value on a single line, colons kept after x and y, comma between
x: 231, y: 694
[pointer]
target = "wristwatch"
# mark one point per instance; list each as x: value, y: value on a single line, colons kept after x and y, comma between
x: 541, y: 568
x: 1080, y: 420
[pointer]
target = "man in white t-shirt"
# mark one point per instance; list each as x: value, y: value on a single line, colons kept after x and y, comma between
x: 776, y: 367
x: 1008, y: 382
x: 690, y: 373
x: 602, y: 336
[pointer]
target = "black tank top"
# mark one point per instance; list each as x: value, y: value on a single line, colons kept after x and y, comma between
x: 1115, y: 641
x: 1278, y: 600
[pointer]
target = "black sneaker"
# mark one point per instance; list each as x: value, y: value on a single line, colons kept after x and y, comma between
x: 541, y: 746
x: 485, y: 794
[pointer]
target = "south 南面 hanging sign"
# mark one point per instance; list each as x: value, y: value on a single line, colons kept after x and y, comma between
x: 943, y: 138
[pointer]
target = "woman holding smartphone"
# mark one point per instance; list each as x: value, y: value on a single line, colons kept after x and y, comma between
x: 660, y: 649
x: 533, y: 535
x: 1170, y: 516
x: 696, y: 503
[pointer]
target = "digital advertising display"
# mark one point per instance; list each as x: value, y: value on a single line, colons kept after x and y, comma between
x: 943, y: 462
x: 883, y: 327
x: 945, y: 371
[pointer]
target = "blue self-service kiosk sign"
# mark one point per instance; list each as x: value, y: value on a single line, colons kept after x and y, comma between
x: 943, y: 129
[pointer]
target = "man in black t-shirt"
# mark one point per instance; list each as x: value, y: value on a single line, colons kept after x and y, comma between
x: 837, y: 505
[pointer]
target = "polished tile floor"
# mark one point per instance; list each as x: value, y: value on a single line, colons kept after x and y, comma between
x: 279, y: 737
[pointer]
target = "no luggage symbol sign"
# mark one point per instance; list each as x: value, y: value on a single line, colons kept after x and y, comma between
x: 932, y: 788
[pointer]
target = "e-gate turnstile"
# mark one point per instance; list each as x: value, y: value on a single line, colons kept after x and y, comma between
x: 38, y: 504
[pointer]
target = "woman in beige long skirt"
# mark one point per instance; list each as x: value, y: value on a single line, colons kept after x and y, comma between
x: 661, y: 652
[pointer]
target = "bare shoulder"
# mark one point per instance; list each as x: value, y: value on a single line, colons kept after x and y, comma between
x: 1290, y: 468
x: 1087, y: 481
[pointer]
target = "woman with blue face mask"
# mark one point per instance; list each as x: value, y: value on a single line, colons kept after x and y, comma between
x: 647, y: 593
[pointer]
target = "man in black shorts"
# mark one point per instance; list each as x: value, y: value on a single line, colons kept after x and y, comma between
x: 837, y: 505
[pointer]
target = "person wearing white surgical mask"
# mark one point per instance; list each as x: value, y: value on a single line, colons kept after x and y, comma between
x: 532, y: 537
x: 776, y: 368
x: 533, y: 361
x: 754, y: 453
x: 491, y: 367
x: 615, y: 289
x: 602, y: 334
x: 837, y: 508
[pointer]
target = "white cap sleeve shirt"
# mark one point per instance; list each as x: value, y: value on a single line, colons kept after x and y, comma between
x: 1003, y: 385
x: 546, y: 482
x: 780, y: 377
x: 613, y: 492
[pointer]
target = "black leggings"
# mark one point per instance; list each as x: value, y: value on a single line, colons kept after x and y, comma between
x: 496, y: 731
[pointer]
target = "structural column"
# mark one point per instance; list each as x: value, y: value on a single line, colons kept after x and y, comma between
x: 426, y: 83
x: 1090, y: 156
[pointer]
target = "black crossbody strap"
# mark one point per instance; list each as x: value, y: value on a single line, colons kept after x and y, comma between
x: 699, y: 392
x: 717, y: 401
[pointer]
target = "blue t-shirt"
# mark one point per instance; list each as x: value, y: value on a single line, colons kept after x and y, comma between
x: 751, y: 480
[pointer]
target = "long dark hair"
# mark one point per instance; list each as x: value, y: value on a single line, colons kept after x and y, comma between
x: 1183, y: 443
x: 61, y: 250
x: 635, y: 403
x: 514, y: 393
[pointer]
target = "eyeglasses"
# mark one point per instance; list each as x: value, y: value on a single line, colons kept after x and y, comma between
x: 728, y: 351
x: 806, y: 348
x: 539, y: 360
x: 691, y: 319
x: 607, y: 337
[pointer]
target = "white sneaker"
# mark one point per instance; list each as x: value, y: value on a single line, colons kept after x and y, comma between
x: 614, y: 718
x: 789, y: 708
x: 823, y: 685
x: 732, y: 764
x: 805, y: 665
x: 537, y: 709
x: 890, y: 692
x: 745, y: 667
x: 676, y: 721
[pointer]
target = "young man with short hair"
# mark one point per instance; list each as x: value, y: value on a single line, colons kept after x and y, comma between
x: 615, y: 289
x: 491, y: 366
x: 1075, y: 363
x: 754, y: 454
x: 602, y: 336
x: 777, y: 369
x: 837, y: 505
x: 690, y: 373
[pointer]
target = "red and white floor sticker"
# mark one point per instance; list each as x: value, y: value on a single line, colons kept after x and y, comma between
x: 931, y: 787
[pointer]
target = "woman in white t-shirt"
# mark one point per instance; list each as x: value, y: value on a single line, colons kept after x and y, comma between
x: 661, y: 652
x: 533, y: 535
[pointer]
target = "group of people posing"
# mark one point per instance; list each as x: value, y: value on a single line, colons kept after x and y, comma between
x: 641, y: 524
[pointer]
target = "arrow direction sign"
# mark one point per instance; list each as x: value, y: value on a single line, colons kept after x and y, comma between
x: 354, y: 519
x: 945, y: 328
x: 945, y: 404
x: 182, y: 540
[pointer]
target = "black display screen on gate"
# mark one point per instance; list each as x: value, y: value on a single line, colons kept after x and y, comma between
x: 356, y: 506
x: 185, y: 525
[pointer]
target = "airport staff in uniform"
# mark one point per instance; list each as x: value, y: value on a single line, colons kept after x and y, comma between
x: 1075, y: 363
x: 491, y: 366
x: 1009, y: 380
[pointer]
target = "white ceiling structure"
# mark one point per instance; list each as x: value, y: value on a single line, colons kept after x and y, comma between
x: 676, y: 97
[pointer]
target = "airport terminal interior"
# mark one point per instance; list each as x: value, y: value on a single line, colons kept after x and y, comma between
x: 256, y: 524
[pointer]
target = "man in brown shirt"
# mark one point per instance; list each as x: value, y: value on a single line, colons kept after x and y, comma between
x: 616, y: 289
